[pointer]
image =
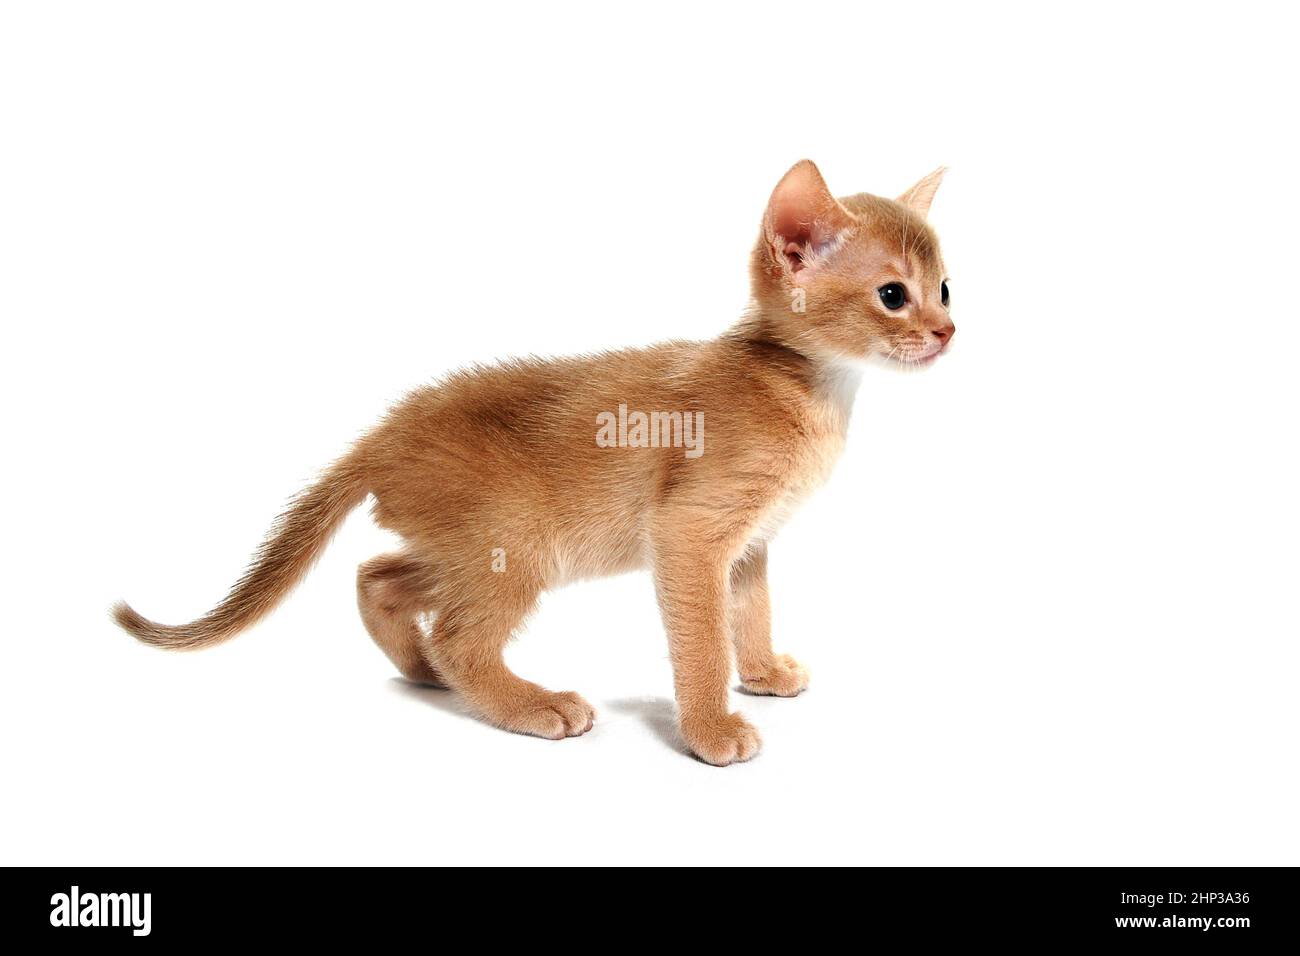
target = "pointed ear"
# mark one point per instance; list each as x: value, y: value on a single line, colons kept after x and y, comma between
x: 803, y: 220
x: 918, y: 198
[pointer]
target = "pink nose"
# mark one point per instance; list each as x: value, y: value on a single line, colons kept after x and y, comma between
x: 944, y: 333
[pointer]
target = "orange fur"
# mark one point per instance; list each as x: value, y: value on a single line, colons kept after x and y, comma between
x: 499, y: 490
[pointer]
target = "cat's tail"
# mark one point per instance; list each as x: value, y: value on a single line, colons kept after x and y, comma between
x: 295, y: 541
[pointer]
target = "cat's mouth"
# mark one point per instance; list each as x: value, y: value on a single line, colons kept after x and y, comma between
x: 932, y: 357
x: 917, y: 358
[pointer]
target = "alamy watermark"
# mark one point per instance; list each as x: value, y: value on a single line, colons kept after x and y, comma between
x: 102, y: 909
x: 651, y: 430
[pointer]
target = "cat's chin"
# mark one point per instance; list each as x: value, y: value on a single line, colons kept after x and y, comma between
x: 895, y: 363
x: 858, y: 363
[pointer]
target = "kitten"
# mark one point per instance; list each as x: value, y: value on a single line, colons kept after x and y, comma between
x: 505, y: 481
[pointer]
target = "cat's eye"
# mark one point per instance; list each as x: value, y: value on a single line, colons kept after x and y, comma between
x: 943, y: 293
x: 893, y: 295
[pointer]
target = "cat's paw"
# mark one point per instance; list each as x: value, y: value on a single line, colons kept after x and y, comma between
x: 721, y: 740
x: 785, y: 677
x: 551, y: 715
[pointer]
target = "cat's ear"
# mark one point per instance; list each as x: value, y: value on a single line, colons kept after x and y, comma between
x: 919, y: 197
x: 804, y: 221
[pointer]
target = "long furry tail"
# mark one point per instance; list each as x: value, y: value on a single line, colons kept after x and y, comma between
x: 296, y: 540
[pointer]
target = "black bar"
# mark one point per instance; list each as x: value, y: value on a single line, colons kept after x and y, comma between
x: 1223, y: 908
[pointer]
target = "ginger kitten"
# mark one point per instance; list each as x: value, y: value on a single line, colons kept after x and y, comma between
x: 683, y: 458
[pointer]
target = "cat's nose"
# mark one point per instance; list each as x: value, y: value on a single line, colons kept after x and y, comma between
x: 944, y: 333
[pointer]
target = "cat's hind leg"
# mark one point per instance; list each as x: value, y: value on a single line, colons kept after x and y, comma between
x: 467, y: 642
x: 393, y: 590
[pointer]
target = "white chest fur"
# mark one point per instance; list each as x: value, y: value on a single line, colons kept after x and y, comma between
x: 827, y: 426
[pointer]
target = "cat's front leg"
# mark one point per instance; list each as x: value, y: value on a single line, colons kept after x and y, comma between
x: 761, y: 670
x: 691, y: 583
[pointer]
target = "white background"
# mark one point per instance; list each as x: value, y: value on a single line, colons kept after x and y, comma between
x: 1048, y: 598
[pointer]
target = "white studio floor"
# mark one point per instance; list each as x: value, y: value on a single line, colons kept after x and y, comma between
x: 947, y: 734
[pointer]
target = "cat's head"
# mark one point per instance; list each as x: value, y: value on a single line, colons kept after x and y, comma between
x: 855, y: 277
